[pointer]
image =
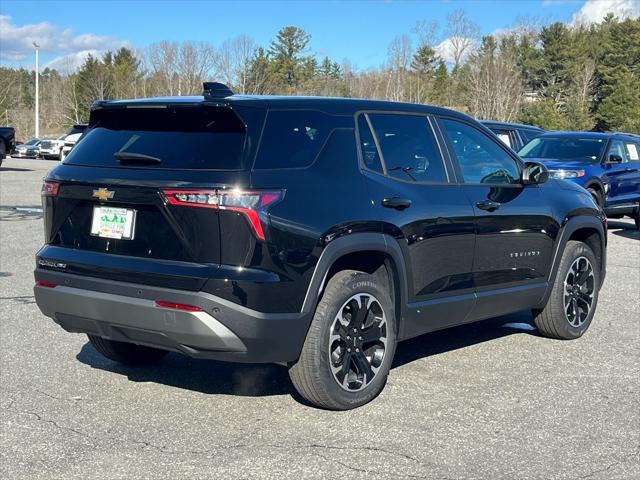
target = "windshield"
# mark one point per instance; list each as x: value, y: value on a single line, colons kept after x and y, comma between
x: 33, y: 141
x: 193, y: 138
x: 569, y: 149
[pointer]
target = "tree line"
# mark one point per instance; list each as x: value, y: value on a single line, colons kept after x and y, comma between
x: 556, y: 76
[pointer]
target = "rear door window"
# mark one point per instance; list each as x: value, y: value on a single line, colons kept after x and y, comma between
x: 409, y: 148
x: 199, y: 137
x: 293, y: 138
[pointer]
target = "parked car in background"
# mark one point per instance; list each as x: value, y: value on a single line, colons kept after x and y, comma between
x: 50, y: 148
x: 7, y: 141
x: 28, y: 149
x: 515, y: 135
x: 311, y: 232
x: 606, y: 164
x: 73, y: 135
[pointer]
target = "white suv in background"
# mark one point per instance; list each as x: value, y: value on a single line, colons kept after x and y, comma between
x: 51, y: 147
x: 73, y: 135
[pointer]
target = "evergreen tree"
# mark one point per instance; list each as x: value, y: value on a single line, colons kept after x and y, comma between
x: 441, y: 81
x: 288, y: 62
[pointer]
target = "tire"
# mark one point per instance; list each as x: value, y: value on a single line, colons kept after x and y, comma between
x: 558, y: 321
x: 126, y: 353
x: 597, y: 197
x: 313, y: 375
x: 636, y: 218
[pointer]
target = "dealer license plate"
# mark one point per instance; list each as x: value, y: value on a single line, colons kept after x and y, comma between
x: 110, y: 222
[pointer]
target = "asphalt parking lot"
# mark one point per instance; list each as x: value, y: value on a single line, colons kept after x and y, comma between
x: 490, y: 400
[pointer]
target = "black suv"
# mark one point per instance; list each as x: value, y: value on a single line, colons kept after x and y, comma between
x: 515, y: 135
x: 310, y: 232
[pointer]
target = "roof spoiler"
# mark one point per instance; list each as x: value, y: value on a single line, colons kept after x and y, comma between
x: 216, y: 90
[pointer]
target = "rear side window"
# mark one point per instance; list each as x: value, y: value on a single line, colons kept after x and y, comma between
x: 505, y: 136
x: 200, y: 137
x: 409, y: 149
x: 480, y: 158
x: 293, y: 138
x: 632, y: 151
x: 370, y: 153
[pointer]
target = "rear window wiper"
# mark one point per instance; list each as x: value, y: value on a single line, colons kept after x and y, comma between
x: 136, y: 157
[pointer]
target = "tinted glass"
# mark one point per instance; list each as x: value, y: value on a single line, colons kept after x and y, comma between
x: 504, y: 136
x: 370, y: 154
x: 409, y: 148
x: 188, y: 138
x: 480, y: 158
x: 76, y: 129
x: 527, y: 135
x: 633, y: 151
x: 617, y: 149
x: 293, y: 138
x: 566, y: 148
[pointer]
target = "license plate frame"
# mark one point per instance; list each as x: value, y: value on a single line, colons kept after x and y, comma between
x: 114, y: 229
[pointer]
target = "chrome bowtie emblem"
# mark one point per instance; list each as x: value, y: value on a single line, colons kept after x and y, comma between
x: 103, y: 194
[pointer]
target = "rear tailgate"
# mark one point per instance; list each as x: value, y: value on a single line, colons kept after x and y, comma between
x: 162, y: 243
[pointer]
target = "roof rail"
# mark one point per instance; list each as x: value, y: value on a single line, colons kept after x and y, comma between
x: 216, y: 90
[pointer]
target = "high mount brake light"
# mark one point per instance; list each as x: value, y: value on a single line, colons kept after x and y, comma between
x: 249, y: 203
x: 50, y: 189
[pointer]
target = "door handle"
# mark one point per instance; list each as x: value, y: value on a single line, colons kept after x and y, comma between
x: 489, y: 205
x: 395, y: 202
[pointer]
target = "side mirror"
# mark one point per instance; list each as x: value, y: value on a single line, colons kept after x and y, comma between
x: 613, y: 158
x: 534, y: 173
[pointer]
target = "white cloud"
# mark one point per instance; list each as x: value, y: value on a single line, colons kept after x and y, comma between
x: 594, y: 11
x: 16, y: 41
x: 446, y: 49
x: 72, y: 61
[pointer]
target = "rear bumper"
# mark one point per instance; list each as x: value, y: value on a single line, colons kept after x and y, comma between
x: 127, y: 312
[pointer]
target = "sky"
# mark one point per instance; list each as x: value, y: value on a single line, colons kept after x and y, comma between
x: 359, y: 31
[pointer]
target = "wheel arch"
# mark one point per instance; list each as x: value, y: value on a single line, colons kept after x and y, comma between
x: 374, y: 253
x: 597, y: 184
x: 588, y: 229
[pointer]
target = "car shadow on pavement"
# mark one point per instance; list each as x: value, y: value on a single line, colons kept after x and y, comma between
x: 13, y: 169
x: 464, y: 336
x: 623, y: 229
x: 250, y: 380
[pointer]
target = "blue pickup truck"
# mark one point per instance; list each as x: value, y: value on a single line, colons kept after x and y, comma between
x: 606, y: 164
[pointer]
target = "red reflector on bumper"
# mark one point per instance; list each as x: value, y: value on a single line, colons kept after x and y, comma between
x: 41, y: 283
x: 178, y: 306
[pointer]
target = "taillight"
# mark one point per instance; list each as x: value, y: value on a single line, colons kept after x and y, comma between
x: 42, y: 283
x: 178, y: 306
x: 50, y: 189
x: 250, y: 204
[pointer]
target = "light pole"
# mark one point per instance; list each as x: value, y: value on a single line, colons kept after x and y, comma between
x: 37, y: 47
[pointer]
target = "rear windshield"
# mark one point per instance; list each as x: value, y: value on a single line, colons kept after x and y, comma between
x: 571, y: 149
x: 199, y: 137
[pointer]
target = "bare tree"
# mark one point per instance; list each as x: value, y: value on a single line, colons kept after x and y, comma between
x: 196, y: 61
x: 398, y: 61
x: 462, y: 35
x: 162, y: 58
x: 233, y: 62
x: 426, y: 31
x: 495, y: 87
